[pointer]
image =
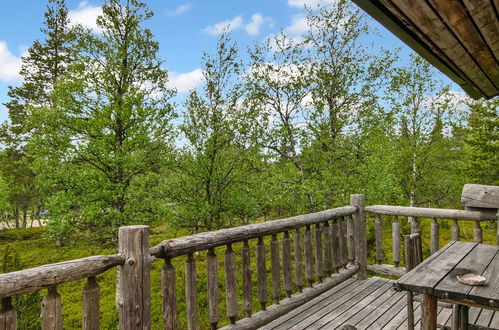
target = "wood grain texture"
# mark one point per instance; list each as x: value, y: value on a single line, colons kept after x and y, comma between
x: 319, y: 255
x: 287, y: 275
x: 485, y: 19
x: 191, y: 292
x: 378, y: 233
x: 51, y: 310
x: 247, y: 285
x: 350, y: 239
x: 261, y: 272
x: 343, y: 241
x: 435, y: 236
x: 489, y: 293
x: 203, y: 241
x: 213, y: 288
x: 262, y: 318
x: 387, y: 270
x: 429, y: 212
x: 396, y: 241
x: 169, y: 293
x: 8, y: 315
x: 91, y: 305
x: 134, y: 283
x: 328, y: 249
x: 276, y: 269
x: 477, y: 233
x: 456, y: 232
x: 482, y: 196
x: 230, y: 283
x: 359, y: 219
x: 336, y: 245
x: 434, y: 268
x: 428, y: 312
x: 298, y: 250
x: 37, y: 278
x: 309, y: 256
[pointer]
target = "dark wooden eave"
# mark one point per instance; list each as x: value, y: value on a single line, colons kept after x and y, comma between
x: 459, y: 37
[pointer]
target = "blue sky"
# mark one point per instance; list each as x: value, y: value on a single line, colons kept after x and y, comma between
x: 184, y: 29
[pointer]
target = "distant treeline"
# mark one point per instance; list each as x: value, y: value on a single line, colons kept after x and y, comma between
x: 96, y: 142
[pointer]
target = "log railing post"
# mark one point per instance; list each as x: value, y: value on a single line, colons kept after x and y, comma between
x: 213, y: 288
x: 191, y: 292
x: 328, y: 249
x: 319, y: 255
x: 350, y: 239
x: 309, y: 256
x: 275, y: 261
x: 343, y: 241
x: 434, y: 236
x: 298, y: 260
x: 378, y: 233
x: 396, y: 241
x: 8, y: 315
x: 287, y: 275
x: 91, y: 310
x: 168, y: 285
x: 247, y: 290
x: 477, y: 233
x: 455, y: 231
x: 359, y: 222
x: 51, y: 310
x: 230, y: 283
x: 134, y: 285
x: 336, y: 245
x: 261, y: 272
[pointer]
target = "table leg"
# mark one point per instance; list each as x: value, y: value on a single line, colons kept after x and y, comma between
x: 429, y: 312
x: 459, y: 317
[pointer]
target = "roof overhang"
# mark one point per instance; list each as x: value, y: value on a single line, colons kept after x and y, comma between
x: 458, y: 37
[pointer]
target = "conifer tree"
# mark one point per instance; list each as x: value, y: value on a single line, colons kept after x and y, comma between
x: 107, y: 133
x: 47, y: 61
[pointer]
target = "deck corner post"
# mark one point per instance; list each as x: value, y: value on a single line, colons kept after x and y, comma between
x: 134, y: 285
x: 359, y: 225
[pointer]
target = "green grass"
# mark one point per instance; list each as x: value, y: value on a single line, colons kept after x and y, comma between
x: 25, y: 248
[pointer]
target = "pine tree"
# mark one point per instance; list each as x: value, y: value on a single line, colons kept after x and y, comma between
x: 106, y: 136
x: 47, y: 61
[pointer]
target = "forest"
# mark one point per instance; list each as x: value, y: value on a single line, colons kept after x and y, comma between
x: 97, y: 140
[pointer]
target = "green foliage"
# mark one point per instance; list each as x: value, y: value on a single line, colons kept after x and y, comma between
x: 213, y: 182
x: 482, y: 143
x: 108, y: 131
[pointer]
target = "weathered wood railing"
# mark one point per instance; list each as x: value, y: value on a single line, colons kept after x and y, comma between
x: 49, y: 277
x: 326, y: 250
x: 414, y: 214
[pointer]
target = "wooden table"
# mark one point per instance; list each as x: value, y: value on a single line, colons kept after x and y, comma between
x: 435, y: 279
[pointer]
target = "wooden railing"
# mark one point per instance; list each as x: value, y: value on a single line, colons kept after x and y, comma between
x: 324, y: 248
x: 328, y: 248
x: 413, y: 215
x: 49, y: 277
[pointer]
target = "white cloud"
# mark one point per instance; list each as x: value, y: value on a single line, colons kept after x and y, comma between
x: 298, y: 25
x: 10, y: 65
x: 86, y: 15
x: 253, y: 28
x: 228, y: 25
x: 184, y: 82
x: 179, y: 10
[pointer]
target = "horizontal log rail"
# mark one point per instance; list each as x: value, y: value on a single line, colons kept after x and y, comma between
x: 412, y: 214
x: 431, y: 212
x: 47, y: 276
x: 203, y: 241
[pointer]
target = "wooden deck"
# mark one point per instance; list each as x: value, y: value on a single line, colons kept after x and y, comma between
x: 370, y: 304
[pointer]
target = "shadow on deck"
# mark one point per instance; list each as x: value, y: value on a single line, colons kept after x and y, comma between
x: 369, y: 304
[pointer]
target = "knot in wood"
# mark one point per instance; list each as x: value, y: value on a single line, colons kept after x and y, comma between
x: 130, y: 261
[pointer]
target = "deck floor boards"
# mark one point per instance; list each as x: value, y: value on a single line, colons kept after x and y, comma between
x: 370, y: 304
